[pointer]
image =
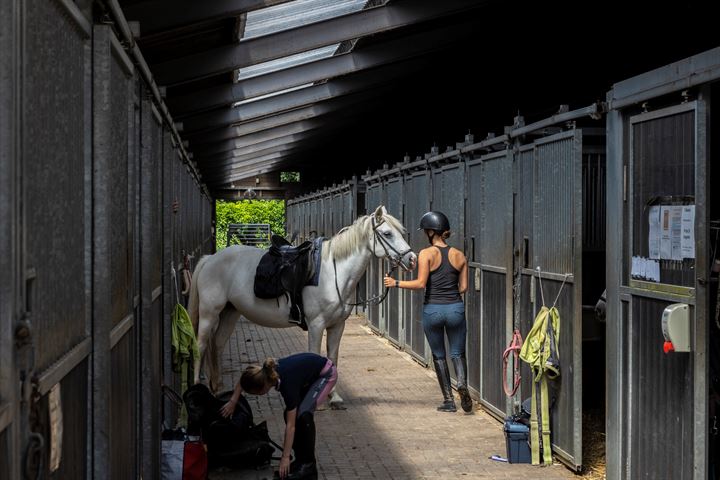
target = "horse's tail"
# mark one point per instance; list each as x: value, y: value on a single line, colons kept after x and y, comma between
x: 194, y: 301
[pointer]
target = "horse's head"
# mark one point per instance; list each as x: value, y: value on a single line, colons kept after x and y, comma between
x: 387, y: 240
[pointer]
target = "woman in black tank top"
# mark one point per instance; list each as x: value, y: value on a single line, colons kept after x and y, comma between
x: 442, y: 272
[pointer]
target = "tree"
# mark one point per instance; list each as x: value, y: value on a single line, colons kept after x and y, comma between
x: 248, y: 211
x: 287, y: 177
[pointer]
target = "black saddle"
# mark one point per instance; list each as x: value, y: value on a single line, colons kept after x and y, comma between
x: 285, y: 270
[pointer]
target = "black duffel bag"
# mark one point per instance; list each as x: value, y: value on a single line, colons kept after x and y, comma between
x: 235, y: 442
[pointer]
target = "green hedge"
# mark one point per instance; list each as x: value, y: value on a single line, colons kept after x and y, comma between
x: 248, y: 211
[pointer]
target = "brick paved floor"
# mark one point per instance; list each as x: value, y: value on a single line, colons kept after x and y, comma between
x: 390, y: 429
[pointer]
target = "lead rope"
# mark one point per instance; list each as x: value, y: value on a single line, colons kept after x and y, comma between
x: 516, y: 341
x: 368, y: 301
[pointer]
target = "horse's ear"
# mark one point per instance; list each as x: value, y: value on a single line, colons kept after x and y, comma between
x: 380, y: 213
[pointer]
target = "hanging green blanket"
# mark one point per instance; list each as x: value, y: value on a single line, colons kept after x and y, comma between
x: 540, y: 350
x: 185, y: 349
x: 184, y: 343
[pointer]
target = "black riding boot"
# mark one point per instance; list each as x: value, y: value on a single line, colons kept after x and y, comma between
x: 304, y: 466
x: 443, y: 376
x: 460, y: 364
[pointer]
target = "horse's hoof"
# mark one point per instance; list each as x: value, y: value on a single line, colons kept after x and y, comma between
x: 337, y: 406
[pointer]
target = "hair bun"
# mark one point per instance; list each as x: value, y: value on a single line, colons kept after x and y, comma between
x: 269, y: 366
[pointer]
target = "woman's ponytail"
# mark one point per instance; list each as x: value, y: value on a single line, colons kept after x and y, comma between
x: 255, y: 378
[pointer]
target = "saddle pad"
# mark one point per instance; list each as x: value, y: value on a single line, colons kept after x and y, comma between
x: 267, y: 277
x: 317, y: 259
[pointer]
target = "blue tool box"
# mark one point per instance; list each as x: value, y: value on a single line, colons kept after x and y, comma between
x: 516, y: 442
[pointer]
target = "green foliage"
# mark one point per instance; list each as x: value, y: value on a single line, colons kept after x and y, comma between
x: 290, y: 177
x: 248, y: 211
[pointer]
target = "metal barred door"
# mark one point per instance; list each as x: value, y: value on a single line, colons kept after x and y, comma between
x: 373, y: 198
x: 392, y: 304
x: 667, y: 162
x: 494, y: 275
x: 50, y: 239
x: 473, y: 300
x: 417, y: 202
x: 557, y: 251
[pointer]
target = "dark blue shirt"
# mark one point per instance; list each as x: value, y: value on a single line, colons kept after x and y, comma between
x: 297, y: 373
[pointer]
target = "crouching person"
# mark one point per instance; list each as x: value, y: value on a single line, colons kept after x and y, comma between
x: 304, y: 380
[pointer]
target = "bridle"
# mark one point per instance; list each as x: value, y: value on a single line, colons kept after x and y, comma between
x: 399, y: 255
x: 395, y: 261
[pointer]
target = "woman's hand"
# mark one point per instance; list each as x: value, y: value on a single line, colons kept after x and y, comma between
x: 228, y: 409
x: 284, y: 468
x: 389, y: 282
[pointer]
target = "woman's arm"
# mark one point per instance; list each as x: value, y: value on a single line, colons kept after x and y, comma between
x: 422, y: 276
x: 228, y: 409
x: 463, y: 277
x: 287, y: 442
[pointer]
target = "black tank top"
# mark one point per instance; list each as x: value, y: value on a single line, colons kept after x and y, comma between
x: 442, y: 283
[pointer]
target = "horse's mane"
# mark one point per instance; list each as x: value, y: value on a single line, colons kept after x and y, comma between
x: 351, y: 238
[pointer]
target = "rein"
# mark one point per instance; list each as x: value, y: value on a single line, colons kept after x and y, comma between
x: 378, y: 299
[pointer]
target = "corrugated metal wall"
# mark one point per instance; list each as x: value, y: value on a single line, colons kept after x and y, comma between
x: 661, y: 385
x: 473, y: 299
x: 393, y: 307
x: 416, y: 204
x: 536, y: 199
x: 374, y: 198
x: 664, y: 156
x: 87, y: 243
x: 496, y: 272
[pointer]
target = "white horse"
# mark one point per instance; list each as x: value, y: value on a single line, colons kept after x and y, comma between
x: 222, y: 289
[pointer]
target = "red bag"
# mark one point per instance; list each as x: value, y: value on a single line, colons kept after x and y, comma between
x: 195, y: 461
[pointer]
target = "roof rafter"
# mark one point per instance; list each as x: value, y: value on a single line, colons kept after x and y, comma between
x: 161, y: 15
x: 298, y: 98
x: 308, y: 37
x: 318, y: 70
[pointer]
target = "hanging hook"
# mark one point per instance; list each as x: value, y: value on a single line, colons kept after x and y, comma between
x: 542, y: 294
x: 560, y: 291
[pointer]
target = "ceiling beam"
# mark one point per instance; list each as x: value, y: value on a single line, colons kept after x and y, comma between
x: 326, y: 68
x: 220, y: 164
x: 305, y: 113
x: 245, y: 172
x: 229, y: 147
x: 239, y: 141
x: 229, y: 160
x: 308, y: 37
x: 161, y: 15
x: 331, y: 119
x: 299, y: 98
x: 219, y: 174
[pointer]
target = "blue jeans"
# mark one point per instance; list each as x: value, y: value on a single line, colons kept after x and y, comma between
x: 440, y: 319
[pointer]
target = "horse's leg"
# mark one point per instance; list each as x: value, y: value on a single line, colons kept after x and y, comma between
x: 334, y: 334
x: 315, y: 335
x: 206, y: 325
x: 228, y: 318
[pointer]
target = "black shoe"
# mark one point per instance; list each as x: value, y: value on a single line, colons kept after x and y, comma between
x: 447, y: 406
x: 305, y: 471
x: 460, y: 364
x: 465, y: 400
x: 443, y: 376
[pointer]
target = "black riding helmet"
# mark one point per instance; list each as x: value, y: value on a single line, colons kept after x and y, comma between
x: 434, y: 221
